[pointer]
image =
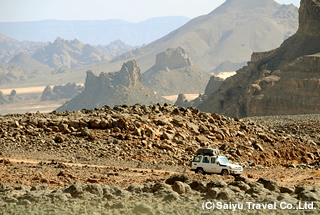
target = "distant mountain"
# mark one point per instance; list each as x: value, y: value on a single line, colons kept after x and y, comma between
x: 21, y: 68
x: 226, y: 37
x: 10, y: 47
x: 123, y: 87
x: 28, y: 64
x: 94, y: 32
x: 70, y: 54
x: 175, y: 73
x: 115, y: 48
x: 285, y: 80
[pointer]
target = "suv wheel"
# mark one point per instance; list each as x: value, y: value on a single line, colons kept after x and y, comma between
x: 200, y: 171
x: 224, y: 172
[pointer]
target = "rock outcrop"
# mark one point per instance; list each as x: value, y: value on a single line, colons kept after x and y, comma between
x: 70, y: 90
x: 70, y: 54
x: 174, y: 73
x: 282, y: 81
x: 123, y: 87
x: 8, y: 99
x: 213, y: 84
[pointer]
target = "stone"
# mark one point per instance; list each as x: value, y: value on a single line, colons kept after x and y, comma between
x: 75, y: 190
x: 287, y: 189
x: 199, y: 186
x: 161, y: 186
x: 269, y: 184
x: 181, y: 187
x: 95, y: 189
x: 216, y: 183
x: 172, y: 196
x: 178, y: 121
x: 309, y: 196
x: 2, y: 187
x: 177, y: 177
x: 212, y: 193
x: 226, y: 194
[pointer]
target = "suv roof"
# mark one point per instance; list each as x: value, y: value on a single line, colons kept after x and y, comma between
x: 208, y: 151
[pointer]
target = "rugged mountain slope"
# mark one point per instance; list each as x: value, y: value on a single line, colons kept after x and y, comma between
x: 69, y: 54
x: 21, y: 68
x: 123, y: 87
x: 115, y: 48
x: 228, y: 35
x: 174, y: 73
x: 282, y: 81
x: 10, y: 47
x: 93, y: 32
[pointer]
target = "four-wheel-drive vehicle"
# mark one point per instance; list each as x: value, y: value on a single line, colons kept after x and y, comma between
x: 214, y: 164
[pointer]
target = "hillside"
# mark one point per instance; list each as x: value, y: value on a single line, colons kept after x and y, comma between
x: 10, y: 47
x: 174, y: 73
x: 226, y: 36
x: 123, y: 87
x: 279, y: 82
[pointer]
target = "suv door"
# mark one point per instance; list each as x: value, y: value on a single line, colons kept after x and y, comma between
x: 215, y: 168
x: 205, y: 164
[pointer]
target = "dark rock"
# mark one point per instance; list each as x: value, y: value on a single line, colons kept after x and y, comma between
x: 212, y: 193
x: 269, y: 184
x: 172, y: 196
x: 216, y: 183
x: 199, y: 186
x: 75, y: 190
x: 226, y: 194
x: 177, y: 177
x: 287, y: 189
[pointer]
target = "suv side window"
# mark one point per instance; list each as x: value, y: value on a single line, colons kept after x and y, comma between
x: 213, y: 160
x: 205, y: 160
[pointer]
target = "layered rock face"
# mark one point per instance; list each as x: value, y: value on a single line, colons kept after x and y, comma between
x: 282, y: 81
x: 123, y: 87
x: 174, y: 73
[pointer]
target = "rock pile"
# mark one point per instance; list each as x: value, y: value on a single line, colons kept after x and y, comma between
x: 158, y: 133
x: 178, y: 197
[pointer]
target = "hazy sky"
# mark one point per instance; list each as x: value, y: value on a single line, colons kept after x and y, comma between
x: 129, y: 10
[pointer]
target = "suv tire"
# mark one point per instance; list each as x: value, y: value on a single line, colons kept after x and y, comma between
x: 200, y: 171
x: 224, y: 172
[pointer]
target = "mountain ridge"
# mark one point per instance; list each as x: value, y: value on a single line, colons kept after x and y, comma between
x: 285, y: 80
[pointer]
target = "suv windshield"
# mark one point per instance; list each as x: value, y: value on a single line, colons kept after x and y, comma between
x: 197, y: 159
x: 223, y: 160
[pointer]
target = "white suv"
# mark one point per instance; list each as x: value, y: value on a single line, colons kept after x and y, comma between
x: 214, y: 164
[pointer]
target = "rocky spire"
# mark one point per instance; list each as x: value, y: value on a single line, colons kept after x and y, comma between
x: 173, y: 59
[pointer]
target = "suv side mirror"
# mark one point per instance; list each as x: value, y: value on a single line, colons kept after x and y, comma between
x: 218, y: 163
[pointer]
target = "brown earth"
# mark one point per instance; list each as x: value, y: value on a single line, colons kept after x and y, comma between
x: 140, y: 143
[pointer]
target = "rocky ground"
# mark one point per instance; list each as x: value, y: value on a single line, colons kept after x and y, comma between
x: 135, y: 160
